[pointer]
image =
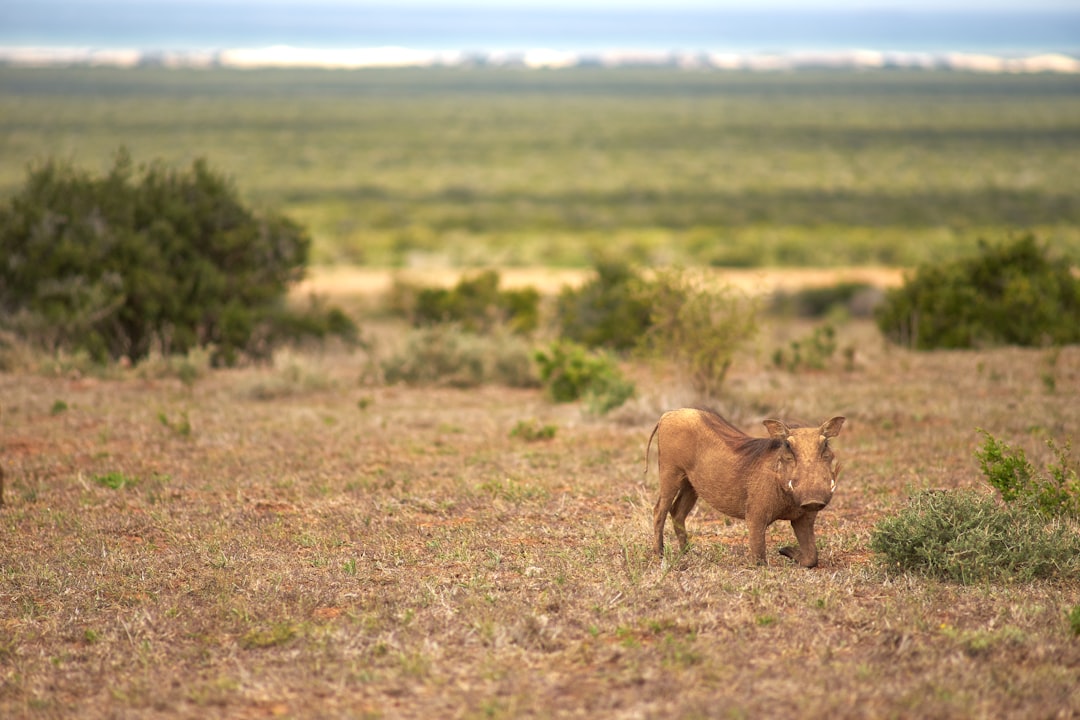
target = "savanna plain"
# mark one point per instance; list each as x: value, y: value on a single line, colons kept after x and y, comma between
x: 300, y: 538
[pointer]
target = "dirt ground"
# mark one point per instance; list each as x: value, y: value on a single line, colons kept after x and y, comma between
x: 301, y: 540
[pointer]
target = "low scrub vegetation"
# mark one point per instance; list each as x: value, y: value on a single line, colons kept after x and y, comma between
x: 444, y: 355
x: 969, y: 536
x: 475, y: 303
x: 1012, y: 293
x: 675, y: 317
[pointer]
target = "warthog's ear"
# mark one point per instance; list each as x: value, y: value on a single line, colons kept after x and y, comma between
x: 776, y: 429
x: 831, y: 428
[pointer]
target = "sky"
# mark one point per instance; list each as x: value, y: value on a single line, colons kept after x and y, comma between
x: 847, y: 5
x: 742, y: 25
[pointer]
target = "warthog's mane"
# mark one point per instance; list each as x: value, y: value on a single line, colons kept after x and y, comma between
x: 746, y: 447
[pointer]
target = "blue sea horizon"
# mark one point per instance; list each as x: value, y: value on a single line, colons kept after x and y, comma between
x: 185, y: 26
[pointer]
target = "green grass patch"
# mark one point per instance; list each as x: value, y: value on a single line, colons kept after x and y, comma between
x: 116, y: 480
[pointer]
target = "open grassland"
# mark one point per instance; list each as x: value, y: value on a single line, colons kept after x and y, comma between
x: 496, y: 166
x: 293, y: 541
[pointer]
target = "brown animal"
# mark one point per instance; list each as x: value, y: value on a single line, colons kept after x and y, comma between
x: 789, y: 475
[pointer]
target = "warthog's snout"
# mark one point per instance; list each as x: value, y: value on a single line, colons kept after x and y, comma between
x: 813, y: 506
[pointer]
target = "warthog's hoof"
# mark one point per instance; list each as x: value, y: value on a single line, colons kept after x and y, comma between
x: 792, y: 551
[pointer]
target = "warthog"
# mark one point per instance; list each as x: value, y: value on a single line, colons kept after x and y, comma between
x: 789, y: 475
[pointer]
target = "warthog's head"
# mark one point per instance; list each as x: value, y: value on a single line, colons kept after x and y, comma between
x: 805, y: 464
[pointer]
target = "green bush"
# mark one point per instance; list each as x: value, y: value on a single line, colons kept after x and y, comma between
x: 968, y: 537
x: 569, y: 371
x: 444, y: 355
x: 611, y: 310
x: 147, y: 259
x: 1055, y: 492
x: 696, y: 326
x: 477, y: 304
x: 1013, y: 293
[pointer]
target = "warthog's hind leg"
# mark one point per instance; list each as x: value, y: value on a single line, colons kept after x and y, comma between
x: 680, y: 509
x: 670, y: 487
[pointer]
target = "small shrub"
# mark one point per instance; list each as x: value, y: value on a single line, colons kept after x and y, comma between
x: 968, y: 537
x: 444, y: 355
x: 812, y: 352
x: 696, y: 326
x: 1055, y: 492
x: 570, y: 372
x: 611, y: 310
x: 1014, y: 294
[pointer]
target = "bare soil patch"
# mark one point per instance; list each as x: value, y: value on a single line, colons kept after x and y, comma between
x: 366, y: 282
x: 336, y: 549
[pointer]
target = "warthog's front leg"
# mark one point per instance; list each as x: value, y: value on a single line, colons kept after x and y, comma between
x: 756, y: 527
x: 806, y: 553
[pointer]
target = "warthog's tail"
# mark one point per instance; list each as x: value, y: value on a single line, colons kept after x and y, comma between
x: 649, y: 446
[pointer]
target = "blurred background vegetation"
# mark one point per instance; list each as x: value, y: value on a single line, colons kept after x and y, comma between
x: 485, y: 166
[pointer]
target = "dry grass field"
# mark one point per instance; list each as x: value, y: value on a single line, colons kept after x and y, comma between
x: 299, y: 541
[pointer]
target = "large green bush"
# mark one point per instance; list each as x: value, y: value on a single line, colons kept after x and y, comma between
x: 1012, y: 293
x: 148, y: 258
